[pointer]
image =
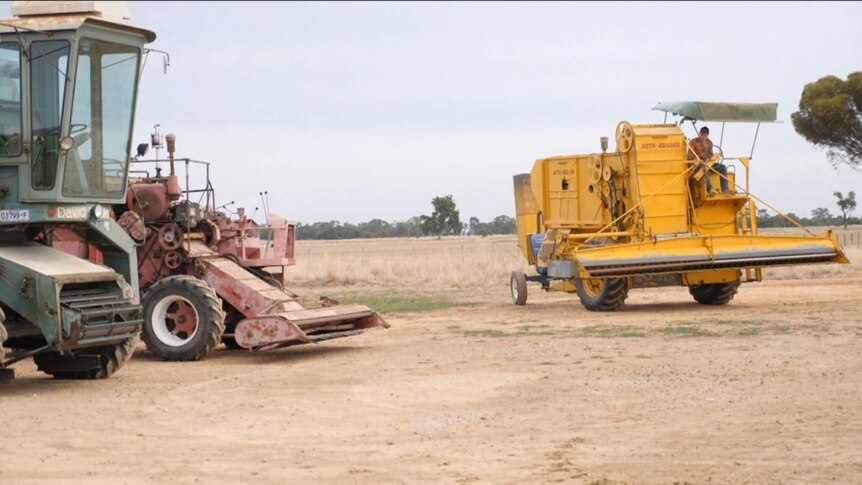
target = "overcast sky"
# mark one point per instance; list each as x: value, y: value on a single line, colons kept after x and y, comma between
x: 353, y: 111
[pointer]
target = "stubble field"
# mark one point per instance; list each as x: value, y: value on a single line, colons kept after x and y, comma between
x: 466, y: 387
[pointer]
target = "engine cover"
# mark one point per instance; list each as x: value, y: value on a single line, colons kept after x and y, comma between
x: 150, y: 200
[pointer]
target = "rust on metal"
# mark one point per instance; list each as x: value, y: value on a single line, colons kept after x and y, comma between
x: 232, y: 255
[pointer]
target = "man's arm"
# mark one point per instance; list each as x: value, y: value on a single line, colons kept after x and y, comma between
x: 693, y: 146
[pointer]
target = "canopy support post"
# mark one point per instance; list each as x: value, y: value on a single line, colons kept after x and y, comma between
x: 751, y: 155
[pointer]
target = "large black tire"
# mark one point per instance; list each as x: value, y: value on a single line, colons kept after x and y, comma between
x: 110, y: 359
x: 602, y: 294
x: 183, y: 319
x: 714, y: 294
x: 518, y: 287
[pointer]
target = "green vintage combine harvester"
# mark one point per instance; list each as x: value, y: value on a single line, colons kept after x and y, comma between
x: 68, y: 84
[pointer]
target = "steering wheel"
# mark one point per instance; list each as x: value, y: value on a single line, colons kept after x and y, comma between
x: 718, y: 154
x: 55, y: 131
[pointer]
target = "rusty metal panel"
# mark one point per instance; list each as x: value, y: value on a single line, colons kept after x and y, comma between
x: 253, y: 333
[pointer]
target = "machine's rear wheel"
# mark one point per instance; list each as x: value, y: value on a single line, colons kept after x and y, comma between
x: 714, y: 294
x: 183, y: 319
x: 91, y: 363
x: 602, y: 294
x: 518, y: 285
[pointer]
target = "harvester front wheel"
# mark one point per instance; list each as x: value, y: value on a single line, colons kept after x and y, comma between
x: 518, y: 285
x: 183, y: 319
x: 714, y: 294
x: 109, y: 359
x: 602, y: 294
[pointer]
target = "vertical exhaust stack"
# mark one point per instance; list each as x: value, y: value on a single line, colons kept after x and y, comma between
x: 174, y: 191
x: 172, y: 148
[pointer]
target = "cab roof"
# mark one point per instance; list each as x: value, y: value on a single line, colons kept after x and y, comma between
x: 52, y: 23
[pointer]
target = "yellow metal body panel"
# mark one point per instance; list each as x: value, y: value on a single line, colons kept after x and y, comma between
x: 660, y: 154
x: 526, y: 215
x: 718, y: 215
x: 563, y: 187
x: 695, y: 278
x: 563, y: 285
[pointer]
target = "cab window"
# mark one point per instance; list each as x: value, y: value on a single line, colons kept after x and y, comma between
x: 10, y: 99
x: 48, y: 66
x: 101, y: 119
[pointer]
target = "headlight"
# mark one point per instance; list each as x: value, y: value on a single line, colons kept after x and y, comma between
x: 98, y: 211
x: 67, y: 143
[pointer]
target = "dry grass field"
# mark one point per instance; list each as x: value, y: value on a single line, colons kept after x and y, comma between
x: 467, y: 388
x: 449, y: 262
x: 460, y: 263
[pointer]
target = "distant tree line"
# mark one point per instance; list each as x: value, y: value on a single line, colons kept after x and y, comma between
x: 445, y: 220
x: 819, y: 217
x: 377, y: 228
x: 374, y: 228
x: 500, y: 225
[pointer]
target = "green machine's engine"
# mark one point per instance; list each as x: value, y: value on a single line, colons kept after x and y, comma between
x: 68, y: 82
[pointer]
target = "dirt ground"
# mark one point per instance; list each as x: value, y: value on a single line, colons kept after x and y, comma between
x: 764, y: 390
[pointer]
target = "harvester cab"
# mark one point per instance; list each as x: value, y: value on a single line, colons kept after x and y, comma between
x: 69, y: 74
x: 208, y: 276
x: 641, y: 216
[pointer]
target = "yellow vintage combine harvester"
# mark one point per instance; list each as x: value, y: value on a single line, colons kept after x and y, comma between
x: 603, y: 223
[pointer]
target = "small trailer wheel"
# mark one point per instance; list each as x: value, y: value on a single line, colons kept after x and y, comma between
x: 518, y: 285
